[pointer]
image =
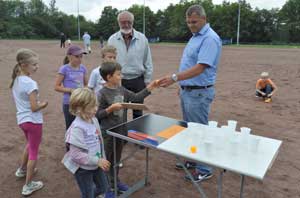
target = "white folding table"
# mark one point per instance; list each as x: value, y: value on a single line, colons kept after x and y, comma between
x: 216, y: 147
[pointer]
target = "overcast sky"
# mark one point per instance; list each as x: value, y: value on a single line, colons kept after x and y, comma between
x: 91, y: 9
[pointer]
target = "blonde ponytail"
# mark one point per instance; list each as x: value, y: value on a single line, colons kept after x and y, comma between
x: 24, y: 56
x: 15, y: 73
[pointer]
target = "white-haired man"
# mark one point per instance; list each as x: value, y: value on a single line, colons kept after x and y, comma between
x: 133, y: 54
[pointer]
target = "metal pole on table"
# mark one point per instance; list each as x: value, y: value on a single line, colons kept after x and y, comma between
x: 242, y: 186
x: 115, y: 166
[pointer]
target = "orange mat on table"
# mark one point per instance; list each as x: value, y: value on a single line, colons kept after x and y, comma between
x: 171, y: 131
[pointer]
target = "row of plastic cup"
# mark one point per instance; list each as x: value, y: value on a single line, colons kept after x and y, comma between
x: 224, y: 136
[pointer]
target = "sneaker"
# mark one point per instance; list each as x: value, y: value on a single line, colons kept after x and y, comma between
x: 22, y: 173
x: 268, y: 100
x: 109, y: 194
x: 187, y: 164
x: 198, y: 176
x: 122, y: 187
x: 29, y: 188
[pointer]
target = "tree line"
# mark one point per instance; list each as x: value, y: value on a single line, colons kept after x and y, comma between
x: 35, y: 20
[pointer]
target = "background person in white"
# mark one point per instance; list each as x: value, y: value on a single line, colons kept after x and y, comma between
x: 133, y: 54
x: 87, y: 42
x: 96, y: 82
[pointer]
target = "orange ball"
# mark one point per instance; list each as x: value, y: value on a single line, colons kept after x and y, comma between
x: 193, y: 149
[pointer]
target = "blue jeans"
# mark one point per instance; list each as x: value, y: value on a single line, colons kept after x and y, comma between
x: 267, y: 90
x: 91, y: 182
x: 195, y: 105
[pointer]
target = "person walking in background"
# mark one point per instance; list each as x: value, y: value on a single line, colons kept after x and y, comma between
x: 265, y: 87
x: 197, y: 77
x: 71, y: 75
x: 101, y: 42
x: 133, y: 54
x: 87, y: 42
x: 86, y: 157
x: 29, y: 115
x: 69, y: 42
x: 62, y: 40
x: 96, y: 81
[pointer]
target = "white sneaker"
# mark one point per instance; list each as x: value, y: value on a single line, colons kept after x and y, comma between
x: 31, y: 187
x: 20, y: 173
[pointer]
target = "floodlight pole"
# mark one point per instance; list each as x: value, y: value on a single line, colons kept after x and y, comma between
x: 238, y: 25
x: 144, y: 25
x: 78, y: 22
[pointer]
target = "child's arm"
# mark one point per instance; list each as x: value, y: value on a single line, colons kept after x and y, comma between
x: 104, y: 108
x: 104, y: 164
x: 152, y: 85
x: 59, y: 85
x: 92, y: 81
x: 274, y: 88
x: 34, y: 104
x: 131, y: 96
x: 104, y: 112
x: 257, y: 86
x: 80, y: 156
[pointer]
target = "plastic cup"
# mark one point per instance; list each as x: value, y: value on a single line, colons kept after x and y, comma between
x: 254, y: 143
x: 208, y: 146
x: 233, y: 147
x: 232, y: 124
x: 229, y: 133
x: 213, y: 124
x: 245, y: 130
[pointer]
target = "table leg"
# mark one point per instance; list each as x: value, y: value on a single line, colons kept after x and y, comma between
x: 220, y: 183
x: 147, y: 166
x: 190, y: 175
x: 115, y: 166
x: 242, y: 186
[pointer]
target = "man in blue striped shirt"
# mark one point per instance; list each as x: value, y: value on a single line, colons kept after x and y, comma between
x: 197, y: 76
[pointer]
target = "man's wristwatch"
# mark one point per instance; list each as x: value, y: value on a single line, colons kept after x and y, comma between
x: 174, y: 77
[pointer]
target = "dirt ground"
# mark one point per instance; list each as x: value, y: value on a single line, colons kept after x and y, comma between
x: 238, y: 71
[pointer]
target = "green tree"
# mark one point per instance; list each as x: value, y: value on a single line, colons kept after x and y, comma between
x: 107, y: 24
x: 150, y: 22
x: 290, y: 19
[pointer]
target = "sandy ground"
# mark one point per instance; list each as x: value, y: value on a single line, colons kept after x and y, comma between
x: 238, y: 71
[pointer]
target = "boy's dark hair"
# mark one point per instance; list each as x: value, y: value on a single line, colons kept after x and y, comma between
x: 109, y: 68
